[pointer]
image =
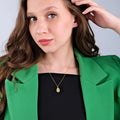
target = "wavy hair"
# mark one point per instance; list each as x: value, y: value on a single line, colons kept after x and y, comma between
x: 22, y: 51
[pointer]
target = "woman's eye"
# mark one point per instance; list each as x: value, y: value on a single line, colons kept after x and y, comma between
x: 51, y: 15
x: 32, y: 19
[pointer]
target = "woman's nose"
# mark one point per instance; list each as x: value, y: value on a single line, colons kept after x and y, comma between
x: 41, y: 27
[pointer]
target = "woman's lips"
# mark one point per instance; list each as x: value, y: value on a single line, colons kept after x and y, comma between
x: 45, y: 41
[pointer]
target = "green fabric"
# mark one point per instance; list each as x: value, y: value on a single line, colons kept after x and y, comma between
x: 100, y: 81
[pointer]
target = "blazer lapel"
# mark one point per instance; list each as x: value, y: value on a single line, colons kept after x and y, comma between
x: 22, y: 102
x: 97, y: 89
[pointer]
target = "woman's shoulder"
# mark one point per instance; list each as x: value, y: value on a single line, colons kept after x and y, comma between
x: 109, y: 62
x: 107, y: 59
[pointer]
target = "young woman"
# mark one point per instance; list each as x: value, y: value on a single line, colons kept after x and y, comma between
x: 53, y: 69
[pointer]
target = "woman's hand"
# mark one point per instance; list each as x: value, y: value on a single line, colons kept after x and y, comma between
x: 99, y: 15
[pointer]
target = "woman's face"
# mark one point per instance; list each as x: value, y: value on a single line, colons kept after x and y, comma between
x: 50, y: 24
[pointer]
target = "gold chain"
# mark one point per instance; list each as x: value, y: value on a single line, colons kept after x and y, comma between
x: 57, y: 85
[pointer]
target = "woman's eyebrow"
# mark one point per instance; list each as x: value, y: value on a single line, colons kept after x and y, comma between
x: 45, y: 9
x: 50, y: 7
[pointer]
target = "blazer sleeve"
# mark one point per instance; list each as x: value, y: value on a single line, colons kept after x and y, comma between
x: 116, y: 60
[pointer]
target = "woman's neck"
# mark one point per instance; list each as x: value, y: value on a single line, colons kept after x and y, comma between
x: 62, y: 61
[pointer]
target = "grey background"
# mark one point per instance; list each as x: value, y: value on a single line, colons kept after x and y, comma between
x: 107, y: 40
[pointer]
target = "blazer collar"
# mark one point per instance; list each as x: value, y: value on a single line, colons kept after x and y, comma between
x: 89, y: 69
x: 25, y: 75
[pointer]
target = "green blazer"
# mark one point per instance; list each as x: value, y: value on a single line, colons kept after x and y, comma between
x: 100, y: 81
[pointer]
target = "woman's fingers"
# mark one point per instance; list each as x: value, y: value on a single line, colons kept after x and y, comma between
x: 93, y: 12
x: 83, y: 2
x: 92, y: 6
x: 89, y: 10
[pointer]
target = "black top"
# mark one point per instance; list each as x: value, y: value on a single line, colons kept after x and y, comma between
x: 66, y: 105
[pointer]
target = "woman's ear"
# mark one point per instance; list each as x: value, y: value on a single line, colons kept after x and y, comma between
x: 75, y: 24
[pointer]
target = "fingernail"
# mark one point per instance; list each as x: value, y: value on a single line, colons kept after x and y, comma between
x: 83, y: 12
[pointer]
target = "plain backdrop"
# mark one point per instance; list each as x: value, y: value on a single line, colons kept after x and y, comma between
x: 107, y: 40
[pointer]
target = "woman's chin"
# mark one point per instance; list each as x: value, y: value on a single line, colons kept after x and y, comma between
x: 47, y: 51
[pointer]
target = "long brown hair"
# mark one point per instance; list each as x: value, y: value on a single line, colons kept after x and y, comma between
x: 22, y: 52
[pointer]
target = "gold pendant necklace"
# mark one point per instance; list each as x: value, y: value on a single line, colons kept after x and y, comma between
x: 57, y: 85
